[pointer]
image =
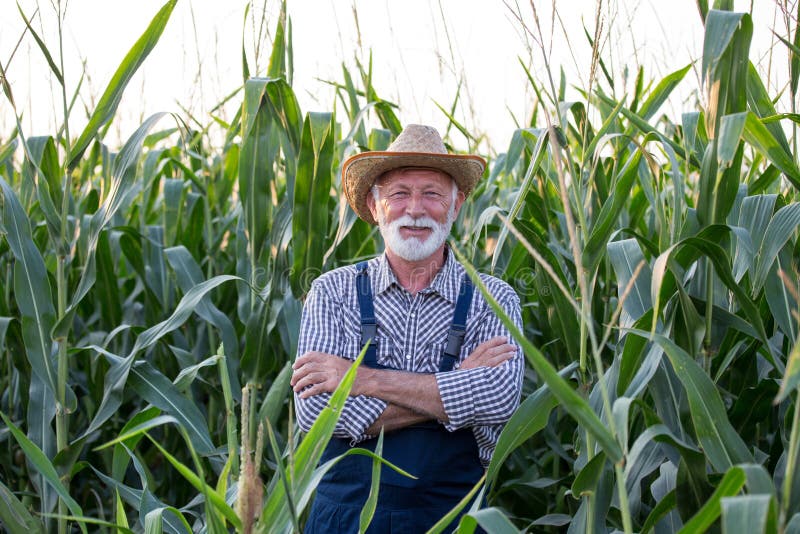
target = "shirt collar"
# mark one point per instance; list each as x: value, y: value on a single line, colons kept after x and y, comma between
x: 385, y: 275
x: 446, y: 283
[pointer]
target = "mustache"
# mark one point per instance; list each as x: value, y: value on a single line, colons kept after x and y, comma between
x: 419, y: 222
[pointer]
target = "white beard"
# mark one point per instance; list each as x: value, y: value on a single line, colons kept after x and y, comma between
x: 413, y: 248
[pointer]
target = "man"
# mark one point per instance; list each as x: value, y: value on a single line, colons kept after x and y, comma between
x: 441, y: 375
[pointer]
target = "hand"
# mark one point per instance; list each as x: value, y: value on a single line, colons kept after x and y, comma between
x: 318, y: 372
x: 490, y: 353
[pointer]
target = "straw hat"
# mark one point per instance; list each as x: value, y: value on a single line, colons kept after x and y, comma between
x: 416, y: 146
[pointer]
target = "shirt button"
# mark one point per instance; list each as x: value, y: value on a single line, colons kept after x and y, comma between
x: 412, y: 314
x: 408, y: 356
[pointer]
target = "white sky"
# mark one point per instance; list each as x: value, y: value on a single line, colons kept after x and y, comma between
x: 421, y: 50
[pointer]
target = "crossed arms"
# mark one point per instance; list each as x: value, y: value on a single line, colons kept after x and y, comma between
x: 483, y: 391
x: 411, y: 397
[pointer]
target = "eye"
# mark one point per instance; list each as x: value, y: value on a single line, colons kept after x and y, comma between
x: 398, y: 195
x: 433, y: 195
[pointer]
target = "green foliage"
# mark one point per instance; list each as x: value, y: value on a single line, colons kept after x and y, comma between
x: 656, y: 261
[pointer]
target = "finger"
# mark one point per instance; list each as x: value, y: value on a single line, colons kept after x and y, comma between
x: 500, y: 359
x: 492, y: 342
x: 309, y: 357
x: 497, y: 339
x: 316, y: 389
x: 489, y: 345
x: 303, y: 371
x: 320, y: 382
x: 302, y: 360
x: 495, y: 356
x: 310, y: 392
x: 295, y: 377
x: 308, y: 380
x: 500, y: 349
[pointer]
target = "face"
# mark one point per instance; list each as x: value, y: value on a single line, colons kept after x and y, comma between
x: 415, y: 210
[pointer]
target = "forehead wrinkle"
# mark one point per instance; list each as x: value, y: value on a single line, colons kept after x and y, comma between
x: 402, y: 171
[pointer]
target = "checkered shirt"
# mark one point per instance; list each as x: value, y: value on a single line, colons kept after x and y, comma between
x: 411, y: 336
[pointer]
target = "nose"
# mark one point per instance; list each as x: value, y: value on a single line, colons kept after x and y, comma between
x: 415, y: 207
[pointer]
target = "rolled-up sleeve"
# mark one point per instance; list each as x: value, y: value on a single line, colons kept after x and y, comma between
x: 485, y: 395
x: 321, y: 330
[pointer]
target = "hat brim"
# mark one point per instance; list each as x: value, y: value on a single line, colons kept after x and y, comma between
x: 359, y: 173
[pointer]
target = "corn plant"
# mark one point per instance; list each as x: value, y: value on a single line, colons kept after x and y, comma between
x: 151, y: 299
x: 673, y: 251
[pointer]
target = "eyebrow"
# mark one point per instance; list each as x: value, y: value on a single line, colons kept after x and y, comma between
x: 405, y: 186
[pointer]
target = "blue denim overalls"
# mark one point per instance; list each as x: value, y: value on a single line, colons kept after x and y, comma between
x: 446, y: 464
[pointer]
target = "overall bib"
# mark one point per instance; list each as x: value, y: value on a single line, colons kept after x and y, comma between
x: 446, y: 464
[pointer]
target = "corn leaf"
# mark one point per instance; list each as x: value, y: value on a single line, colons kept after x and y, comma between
x: 781, y: 228
x: 120, y: 457
x: 258, y: 150
x: 32, y: 290
x: 748, y: 513
x: 15, y: 515
x: 490, y: 520
x: 107, y: 283
x: 41, y: 154
x: 645, y: 127
x: 690, y: 249
x: 275, y: 515
x: 277, y: 59
x: 159, y: 391
x: 588, y: 477
x: 539, y: 151
x: 43, y: 466
x: 604, y: 224
x: 761, y: 104
x: 791, y: 378
x: 189, y: 274
x: 762, y: 139
x: 117, y: 375
x: 726, y: 45
x: 273, y: 402
x: 124, y: 173
x: 661, y: 92
x: 111, y: 97
x: 721, y: 443
x: 528, y: 419
x: 43, y: 47
x: 40, y: 414
x: 625, y: 256
x: 217, y: 500
x: 154, y: 520
x: 754, y: 215
x: 731, y: 484
x: 781, y: 301
x: 664, y: 507
x: 573, y: 403
x: 258, y: 364
x: 311, y: 198
x: 119, y: 512
x: 368, y: 510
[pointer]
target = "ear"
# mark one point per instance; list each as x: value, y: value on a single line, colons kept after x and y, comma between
x: 460, y: 198
x: 373, y: 208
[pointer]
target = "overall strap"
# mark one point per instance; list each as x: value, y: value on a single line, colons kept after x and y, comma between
x: 455, y: 336
x: 369, y: 326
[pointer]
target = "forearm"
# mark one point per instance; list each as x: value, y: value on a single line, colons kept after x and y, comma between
x: 489, y: 393
x: 481, y: 396
x: 395, y: 417
x: 358, y: 414
x: 416, y: 392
